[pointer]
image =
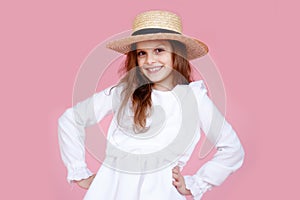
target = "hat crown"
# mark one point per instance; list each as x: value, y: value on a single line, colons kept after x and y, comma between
x: 157, y: 19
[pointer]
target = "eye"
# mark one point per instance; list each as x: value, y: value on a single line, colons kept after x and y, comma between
x: 158, y: 50
x: 141, y: 53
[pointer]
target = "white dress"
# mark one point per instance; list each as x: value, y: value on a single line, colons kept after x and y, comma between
x: 139, y: 166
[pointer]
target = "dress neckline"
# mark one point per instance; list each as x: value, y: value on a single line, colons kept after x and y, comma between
x: 164, y: 91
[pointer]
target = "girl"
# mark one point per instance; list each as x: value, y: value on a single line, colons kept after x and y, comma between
x: 158, y: 113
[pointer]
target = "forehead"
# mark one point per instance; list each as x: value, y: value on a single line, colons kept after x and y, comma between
x: 153, y: 44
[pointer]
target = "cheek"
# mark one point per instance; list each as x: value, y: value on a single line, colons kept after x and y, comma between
x: 140, y: 62
x: 168, y: 61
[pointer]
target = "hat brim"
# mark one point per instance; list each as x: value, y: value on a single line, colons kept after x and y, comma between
x: 195, y: 48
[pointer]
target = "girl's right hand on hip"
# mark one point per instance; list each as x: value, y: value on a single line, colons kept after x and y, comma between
x: 85, y: 183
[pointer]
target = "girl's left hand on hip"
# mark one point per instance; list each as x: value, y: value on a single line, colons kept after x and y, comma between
x: 179, y: 182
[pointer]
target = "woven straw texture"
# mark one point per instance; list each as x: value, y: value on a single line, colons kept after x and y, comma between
x: 161, y: 20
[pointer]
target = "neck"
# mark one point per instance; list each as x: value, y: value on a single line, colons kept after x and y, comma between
x: 162, y: 87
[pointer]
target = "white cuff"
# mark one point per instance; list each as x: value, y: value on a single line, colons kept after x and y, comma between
x: 78, y: 174
x: 197, y: 186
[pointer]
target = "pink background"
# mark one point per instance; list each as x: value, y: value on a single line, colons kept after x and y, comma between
x: 254, y: 43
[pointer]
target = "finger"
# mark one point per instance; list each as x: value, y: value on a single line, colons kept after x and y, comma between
x: 173, y: 182
x: 176, y: 176
x: 176, y: 170
x: 177, y: 184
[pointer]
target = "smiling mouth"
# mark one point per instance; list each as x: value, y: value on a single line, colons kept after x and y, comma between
x: 153, y: 69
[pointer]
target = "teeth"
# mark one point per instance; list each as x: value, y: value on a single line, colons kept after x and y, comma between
x: 154, y: 69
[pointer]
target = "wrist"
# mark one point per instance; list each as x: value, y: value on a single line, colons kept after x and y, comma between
x: 187, y: 192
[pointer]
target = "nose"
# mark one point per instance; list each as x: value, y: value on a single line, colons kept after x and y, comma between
x: 150, y: 58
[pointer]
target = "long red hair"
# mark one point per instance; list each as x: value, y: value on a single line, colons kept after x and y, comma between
x: 137, y: 87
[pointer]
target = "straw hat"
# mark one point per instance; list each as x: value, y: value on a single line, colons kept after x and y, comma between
x: 159, y: 25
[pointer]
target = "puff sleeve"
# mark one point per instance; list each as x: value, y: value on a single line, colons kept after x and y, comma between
x: 71, y: 132
x: 230, y: 153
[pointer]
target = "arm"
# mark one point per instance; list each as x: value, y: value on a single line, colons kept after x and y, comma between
x: 230, y: 154
x: 71, y: 132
